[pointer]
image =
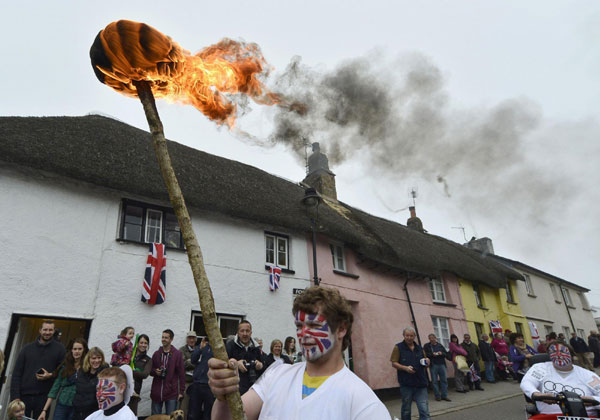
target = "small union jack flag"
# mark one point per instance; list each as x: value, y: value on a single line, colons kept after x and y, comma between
x: 274, y: 278
x: 473, y: 374
x: 155, y: 279
x: 496, y: 327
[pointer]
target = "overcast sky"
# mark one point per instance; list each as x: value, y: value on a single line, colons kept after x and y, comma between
x: 512, y: 89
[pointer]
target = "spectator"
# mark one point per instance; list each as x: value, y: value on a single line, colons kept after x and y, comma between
x: 594, y: 344
x: 437, y: 354
x: 168, y: 382
x: 33, y: 376
x: 473, y: 358
x: 561, y: 338
x: 276, y: 354
x: 520, y: 354
x: 506, y: 337
x: 64, y: 385
x: 329, y: 389
x: 541, y: 348
x: 289, y: 349
x: 581, y: 348
x: 409, y: 361
x: 142, y: 365
x: 459, y: 375
x: 247, y: 354
x: 186, y: 350
x: 112, y: 394
x: 84, y: 401
x: 16, y: 411
x: 488, y: 355
x: 123, y: 347
x: 201, y: 398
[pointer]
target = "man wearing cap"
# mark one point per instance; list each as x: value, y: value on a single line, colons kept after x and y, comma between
x: 187, y: 350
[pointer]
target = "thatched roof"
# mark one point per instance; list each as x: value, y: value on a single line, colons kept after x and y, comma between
x: 112, y: 154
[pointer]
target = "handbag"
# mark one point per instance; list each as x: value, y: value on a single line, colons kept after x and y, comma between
x: 461, y: 362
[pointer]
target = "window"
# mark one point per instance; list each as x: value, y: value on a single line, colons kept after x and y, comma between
x: 228, y: 324
x: 519, y: 328
x: 277, y: 250
x: 441, y: 330
x: 584, y: 302
x: 555, y: 293
x: 509, y: 293
x: 477, y: 294
x: 478, y: 330
x: 581, y: 333
x: 567, y: 332
x: 528, y: 285
x: 567, y: 295
x: 548, y: 329
x: 337, y: 254
x: 146, y: 223
x: 436, y: 286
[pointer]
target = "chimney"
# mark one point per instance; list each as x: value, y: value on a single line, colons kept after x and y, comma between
x: 319, y: 176
x: 483, y: 245
x: 413, y: 221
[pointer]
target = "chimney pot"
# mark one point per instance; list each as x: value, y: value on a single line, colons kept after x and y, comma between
x: 319, y: 176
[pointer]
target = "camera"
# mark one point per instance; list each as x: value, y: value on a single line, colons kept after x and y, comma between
x: 163, y: 372
x: 251, y: 366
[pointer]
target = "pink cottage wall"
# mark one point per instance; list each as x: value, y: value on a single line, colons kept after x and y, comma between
x: 381, y: 311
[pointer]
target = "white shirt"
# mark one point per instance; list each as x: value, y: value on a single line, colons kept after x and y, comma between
x: 343, y: 396
x: 543, y: 377
x: 124, y: 413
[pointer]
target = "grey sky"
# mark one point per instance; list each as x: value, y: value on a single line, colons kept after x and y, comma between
x: 540, y: 205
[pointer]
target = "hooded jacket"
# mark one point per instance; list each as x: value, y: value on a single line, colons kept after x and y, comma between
x: 250, y: 353
x: 173, y: 385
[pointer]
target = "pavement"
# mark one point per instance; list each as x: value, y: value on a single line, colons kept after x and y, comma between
x: 492, y: 392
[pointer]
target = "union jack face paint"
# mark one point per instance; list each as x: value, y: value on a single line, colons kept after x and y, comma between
x: 314, y: 335
x: 560, y: 356
x: 107, y: 393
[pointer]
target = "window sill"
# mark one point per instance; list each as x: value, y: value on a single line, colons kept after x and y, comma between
x: 588, y: 309
x: 444, y: 304
x: 482, y: 307
x: 129, y: 241
x: 345, y: 274
x: 283, y: 270
x: 571, y: 307
x: 557, y: 301
x: 530, y: 295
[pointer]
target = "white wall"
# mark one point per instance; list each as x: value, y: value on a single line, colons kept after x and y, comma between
x: 61, y: 258
x: 543, y: 306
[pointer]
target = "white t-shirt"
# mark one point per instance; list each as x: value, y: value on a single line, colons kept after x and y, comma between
x: 124, y: 413
x: 343, y: 396
x: 543, y: 377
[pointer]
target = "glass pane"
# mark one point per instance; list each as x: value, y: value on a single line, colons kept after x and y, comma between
x: 171, y: 222
x: 133, y: 215
x: 282, y: 259
x: 341, y: 263
x: 270, y: 248
x: 173, y: 239
x: 228, y: 326
x: 153, y: 226
x: 198, y: 325
x: 132, y: 232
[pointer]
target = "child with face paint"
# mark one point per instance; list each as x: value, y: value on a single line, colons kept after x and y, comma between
x: 112, y: 396
x: 320, y: 387
x: 550, y: 378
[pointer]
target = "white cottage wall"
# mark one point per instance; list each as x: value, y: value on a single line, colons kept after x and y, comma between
x: 62, y: 259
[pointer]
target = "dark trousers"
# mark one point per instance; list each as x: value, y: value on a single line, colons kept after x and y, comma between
x: 34, y: 404
x: 201, y: 402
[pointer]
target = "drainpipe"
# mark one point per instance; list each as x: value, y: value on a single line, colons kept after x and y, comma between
x: 562, y: 292
x: 412, y: 313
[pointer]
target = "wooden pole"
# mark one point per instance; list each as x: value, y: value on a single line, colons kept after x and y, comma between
x: 207, y: 303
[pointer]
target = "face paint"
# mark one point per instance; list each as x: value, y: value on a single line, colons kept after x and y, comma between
x: 560, y: 356
x: 108, y: 394
x: 314, y: 335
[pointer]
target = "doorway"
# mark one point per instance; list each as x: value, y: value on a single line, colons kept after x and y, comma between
x: 24, y: 329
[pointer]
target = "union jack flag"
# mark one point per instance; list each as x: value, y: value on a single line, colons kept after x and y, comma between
x: 274, y: 278
x: 155, y: 279
x: 473, y: 374
x: 496, y: 327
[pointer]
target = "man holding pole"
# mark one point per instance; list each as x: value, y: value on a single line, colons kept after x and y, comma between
x: 320, y: 388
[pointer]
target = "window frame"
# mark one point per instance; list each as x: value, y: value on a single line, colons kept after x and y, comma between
x: 581, y: 333
x: 529, y: 285
x: 519, y: 328
x: 437, y: 330
x: 554, y: 291
x: 478, y: 330
x: 198, y: 314
x: 276, y: 237
x: 333, y: 247
x: 146, y: 207
x: 548, y: 329
x: 510, y: 297
x: 567, y: 297
x: 434, y: 291
x: 478, y: 296
x: 566, y: 332
x: 585, y: 304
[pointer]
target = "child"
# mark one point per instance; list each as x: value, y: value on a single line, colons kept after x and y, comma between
x: 16, y: 411
x: 123, y: 347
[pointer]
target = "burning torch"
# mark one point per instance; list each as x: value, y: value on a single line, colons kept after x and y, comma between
x: 139, y: 61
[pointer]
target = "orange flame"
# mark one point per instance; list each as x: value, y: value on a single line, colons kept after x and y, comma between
x: 125, y: 51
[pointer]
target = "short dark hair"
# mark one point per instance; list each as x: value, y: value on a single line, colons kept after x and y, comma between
x: 145, y: 337
x: 552, y: 336
x: 332, y: 305
x: 514, y: 336
x: 452, y: 337
x: 47, y: 321
x: 170, y: 332
x: 244, y: 321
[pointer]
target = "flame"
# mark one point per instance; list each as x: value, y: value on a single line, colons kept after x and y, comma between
x: 209, y: 80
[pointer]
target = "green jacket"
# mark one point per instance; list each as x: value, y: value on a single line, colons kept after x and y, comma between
x: 64, y: 388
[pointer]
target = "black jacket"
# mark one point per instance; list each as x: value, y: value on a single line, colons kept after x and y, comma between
x: 270, y: 359
x: 430, y: 349
x: 85, y: 391
x: 236, y: 350
x: 32, y: 358
x: 579, y: 345
x: 487, y: 352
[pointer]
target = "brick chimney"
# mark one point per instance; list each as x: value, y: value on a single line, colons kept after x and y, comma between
x: 319, y: 176
x: 483, y: 245
x: 413, y: 221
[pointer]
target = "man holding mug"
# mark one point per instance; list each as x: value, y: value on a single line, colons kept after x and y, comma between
x: 409, y: 360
